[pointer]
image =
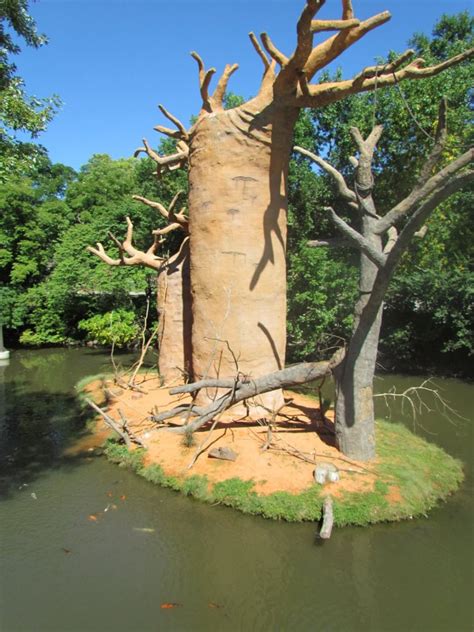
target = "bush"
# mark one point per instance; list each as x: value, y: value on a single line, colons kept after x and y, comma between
x: 117, y: 327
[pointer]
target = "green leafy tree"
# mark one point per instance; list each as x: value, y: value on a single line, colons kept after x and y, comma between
x: 19, y: 112
x: 33, y: 216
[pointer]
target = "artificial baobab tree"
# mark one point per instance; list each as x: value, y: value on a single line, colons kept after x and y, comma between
x: 382, y: 240
x: 238, y: 182
x: 173, y: 291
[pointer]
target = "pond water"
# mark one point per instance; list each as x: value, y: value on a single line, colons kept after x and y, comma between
x: 62, y: 570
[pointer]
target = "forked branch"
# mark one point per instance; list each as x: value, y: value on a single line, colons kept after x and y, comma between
x: 368, y: 79
x: 170, y: 214
x: 344, y: 191
x: 166, y: 163
x: 136, y: 257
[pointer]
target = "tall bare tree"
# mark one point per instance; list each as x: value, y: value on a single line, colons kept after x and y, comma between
x: 382, y: 240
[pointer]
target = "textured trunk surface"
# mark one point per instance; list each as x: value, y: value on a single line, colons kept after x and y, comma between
x: 354, y: 422
x: 355, y: 425
x: 174, y: 308
x: 237, y: 209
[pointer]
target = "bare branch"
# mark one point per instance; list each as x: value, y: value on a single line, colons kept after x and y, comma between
x: 204, y: 81
x: 100, y: 252
x: 327, y: 51
x: 418, y: 218
x: 347, y: 10
x: 218, y: 96
x: 331, y: 92
x: 293, y: 68
x: 273, y: 51
x: 357, y: 239
x: 341, y: 184
x: 259, y: 49
x: 123, y: 432
x: 169, y: 214
x: 317, y: 26
x: 367, y: 146
x: 136, y: 257
x: 373, y: 71
x: 291, y: 376
x: 416, y: 398
x: 435, y: 184
x: 392, y: 235
x: 152, y: 204
x: 167, y: 229
x: 172, y: 133
x: 175, y: 121
x: 171, y: 162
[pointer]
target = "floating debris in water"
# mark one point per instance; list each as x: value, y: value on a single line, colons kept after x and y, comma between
x: 213, y: 604
x: 167, y: 606
x: 66, y: 551
x: 34, y: 496
x: 144, y: 529
x: 92, y: 518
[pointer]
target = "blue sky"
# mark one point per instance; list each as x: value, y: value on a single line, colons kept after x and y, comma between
x: 113, y: 61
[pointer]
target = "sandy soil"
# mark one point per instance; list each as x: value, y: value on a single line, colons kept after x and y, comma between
x: 298, y: 433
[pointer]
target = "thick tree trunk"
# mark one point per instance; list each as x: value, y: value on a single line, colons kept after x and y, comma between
x: 175, y: 318
x: 354, y: 420
x: 237, y: 212
x: 355, y: 425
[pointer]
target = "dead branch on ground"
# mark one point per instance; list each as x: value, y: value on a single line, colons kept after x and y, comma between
x: 123, y: 431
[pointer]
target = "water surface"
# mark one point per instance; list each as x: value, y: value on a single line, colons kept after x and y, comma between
x: 60, y: 570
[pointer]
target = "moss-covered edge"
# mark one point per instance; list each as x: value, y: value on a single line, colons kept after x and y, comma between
x: 423, y: 472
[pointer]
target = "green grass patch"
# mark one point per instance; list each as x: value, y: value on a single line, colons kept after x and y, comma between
x: 423, y: 474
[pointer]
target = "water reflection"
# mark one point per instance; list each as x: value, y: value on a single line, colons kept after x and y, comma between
x: 263, y: 575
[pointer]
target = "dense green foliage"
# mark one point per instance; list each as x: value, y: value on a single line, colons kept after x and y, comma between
x: 50, y: 284
x: 118, y: 327
x: 45, y: 292
x: 19, y: 112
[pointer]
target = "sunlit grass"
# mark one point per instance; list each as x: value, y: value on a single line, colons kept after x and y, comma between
x: 421, y: 473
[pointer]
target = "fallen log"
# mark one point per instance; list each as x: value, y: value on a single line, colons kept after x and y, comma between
x: 243, y: 388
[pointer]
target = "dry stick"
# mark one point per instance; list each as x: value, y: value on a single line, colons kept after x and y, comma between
x: 127, y: 430
x: 205, y: 444
x: 292, y: 451
x: 124, y: 434
x: 418, y: 405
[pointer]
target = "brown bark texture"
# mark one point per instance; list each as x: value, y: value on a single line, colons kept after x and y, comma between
x: 237, y: 215
x: 175, y: 318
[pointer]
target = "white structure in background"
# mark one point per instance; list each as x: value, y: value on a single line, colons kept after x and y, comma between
x: 4, y: 353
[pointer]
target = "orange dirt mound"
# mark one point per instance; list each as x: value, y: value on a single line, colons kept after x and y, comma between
x: 300, y: 438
